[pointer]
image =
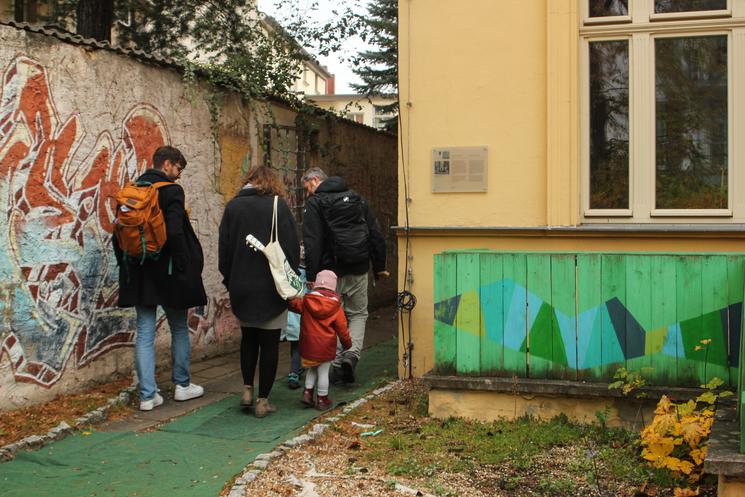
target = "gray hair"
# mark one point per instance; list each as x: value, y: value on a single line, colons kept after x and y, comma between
x: 314, y: 172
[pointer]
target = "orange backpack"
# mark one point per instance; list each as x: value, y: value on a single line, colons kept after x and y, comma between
x: 140, y: 227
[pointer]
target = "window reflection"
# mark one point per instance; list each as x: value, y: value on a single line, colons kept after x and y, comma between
x: 691, y: 122
x: 609, y: 124
x: 604, y: 8
x: 673, y: 6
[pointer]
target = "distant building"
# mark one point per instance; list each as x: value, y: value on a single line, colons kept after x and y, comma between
x: 358, y: 108
x: 313, y: 78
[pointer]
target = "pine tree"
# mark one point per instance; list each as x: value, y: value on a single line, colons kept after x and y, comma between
x: 378, y: 68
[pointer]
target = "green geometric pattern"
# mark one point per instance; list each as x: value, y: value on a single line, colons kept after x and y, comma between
x: 581, y: 316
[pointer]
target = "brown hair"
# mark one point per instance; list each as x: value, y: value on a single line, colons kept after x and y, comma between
x: 266, y: 181
x: 166, y: 152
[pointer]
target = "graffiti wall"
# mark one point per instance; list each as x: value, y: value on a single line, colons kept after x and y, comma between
x: 75, y: 126
x: 674, y: 318
x: 77, y: 122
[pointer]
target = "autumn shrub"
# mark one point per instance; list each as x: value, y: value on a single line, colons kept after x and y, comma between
x: 678, y: 436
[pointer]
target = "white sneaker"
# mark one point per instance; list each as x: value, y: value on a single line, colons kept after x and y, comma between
x: 187, y: 393
x: 149, y: 405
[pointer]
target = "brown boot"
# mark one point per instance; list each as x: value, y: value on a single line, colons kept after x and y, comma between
x: 248, y: 397
x: 308, y: 397
x: 263, y: 407
x: 324, y: 403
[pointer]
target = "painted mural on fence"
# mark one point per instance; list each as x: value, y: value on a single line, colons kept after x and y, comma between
x: 505, y: 318
x: 58, y: 276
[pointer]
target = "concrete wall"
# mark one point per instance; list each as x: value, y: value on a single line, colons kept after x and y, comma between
x: 76, y: 123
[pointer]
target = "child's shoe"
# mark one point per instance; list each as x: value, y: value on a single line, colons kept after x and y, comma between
x: 307, y: 397
x: 293, y: 381
x: 324, y: 403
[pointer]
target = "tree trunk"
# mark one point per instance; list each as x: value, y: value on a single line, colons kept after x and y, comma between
x: 95, y: 18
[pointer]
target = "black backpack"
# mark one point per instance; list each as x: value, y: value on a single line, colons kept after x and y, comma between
x: 344, y: 214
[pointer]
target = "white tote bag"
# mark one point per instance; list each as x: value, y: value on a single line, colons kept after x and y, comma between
x: 286, y: 280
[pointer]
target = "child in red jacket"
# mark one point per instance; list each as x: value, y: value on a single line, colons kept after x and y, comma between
x: 321, y: 322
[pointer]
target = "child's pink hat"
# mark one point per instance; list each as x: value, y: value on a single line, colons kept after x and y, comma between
x: 326, y: 279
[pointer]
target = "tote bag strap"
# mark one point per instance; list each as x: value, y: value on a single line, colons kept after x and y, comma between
x: 274, y: 236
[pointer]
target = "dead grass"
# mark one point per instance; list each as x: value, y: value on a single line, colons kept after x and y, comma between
x: 39, y: 419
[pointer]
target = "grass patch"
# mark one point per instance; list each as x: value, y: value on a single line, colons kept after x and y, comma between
x: 523, y: 457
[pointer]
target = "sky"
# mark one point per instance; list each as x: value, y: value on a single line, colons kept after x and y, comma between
x: 342, y: 70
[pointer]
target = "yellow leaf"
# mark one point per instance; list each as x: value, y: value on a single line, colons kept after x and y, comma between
x: 697, y: 347
x: 706, y: 341
x: 713, y: 384
x: 686, y: 492
x: 707, y: 397
x: 663, y: 406
x: 698, y: 455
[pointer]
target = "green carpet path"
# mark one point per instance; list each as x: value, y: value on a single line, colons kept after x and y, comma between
x: 191, y: 456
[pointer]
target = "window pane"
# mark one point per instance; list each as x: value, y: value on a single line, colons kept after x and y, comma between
x: 691, y: 121
x: 609, y: 124
x: 603, y: 8
x: 672, y: 6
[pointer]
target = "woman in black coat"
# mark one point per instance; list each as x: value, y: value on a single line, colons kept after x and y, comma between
x: 253, y: 296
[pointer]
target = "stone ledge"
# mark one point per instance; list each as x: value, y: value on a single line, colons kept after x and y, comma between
x: 550, y: 387
x: 723, y: 457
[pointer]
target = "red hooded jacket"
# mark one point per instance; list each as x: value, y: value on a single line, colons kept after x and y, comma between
x: 322, y: 320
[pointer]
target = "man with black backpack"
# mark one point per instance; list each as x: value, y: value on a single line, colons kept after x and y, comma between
x: 160, y: 264
x: 340, y: 234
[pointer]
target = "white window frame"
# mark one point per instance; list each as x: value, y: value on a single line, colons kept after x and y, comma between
x: 587, y: 20
x: 641, y: 31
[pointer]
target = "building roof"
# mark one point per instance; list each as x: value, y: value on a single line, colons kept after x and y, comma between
x: 310, y: 59
x: 350, y: 96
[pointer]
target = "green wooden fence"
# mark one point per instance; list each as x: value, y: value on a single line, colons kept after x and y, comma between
x: 581, y: 316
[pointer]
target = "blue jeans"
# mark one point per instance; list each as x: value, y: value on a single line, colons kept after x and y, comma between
x: 145, y: 348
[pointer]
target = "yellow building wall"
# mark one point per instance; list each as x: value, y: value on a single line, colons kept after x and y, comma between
x: 474, y: 74
x: 501, y: 74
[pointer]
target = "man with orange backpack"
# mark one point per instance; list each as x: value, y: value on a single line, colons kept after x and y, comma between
x: 160, y: 264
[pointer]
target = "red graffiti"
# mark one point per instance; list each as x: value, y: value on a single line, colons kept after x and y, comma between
x: 57, y: 209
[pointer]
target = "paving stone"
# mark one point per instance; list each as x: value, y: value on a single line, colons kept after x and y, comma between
x: 237, y: 491
x: 214, y: 373
x: 32, y: 442
x: 261, y: 464
x: 13, y: 448
x: 250, y: 476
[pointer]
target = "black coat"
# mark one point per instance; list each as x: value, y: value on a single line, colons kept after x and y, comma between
x: 245, y: 271
x: 318, y: 242
x: 175, y: 278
